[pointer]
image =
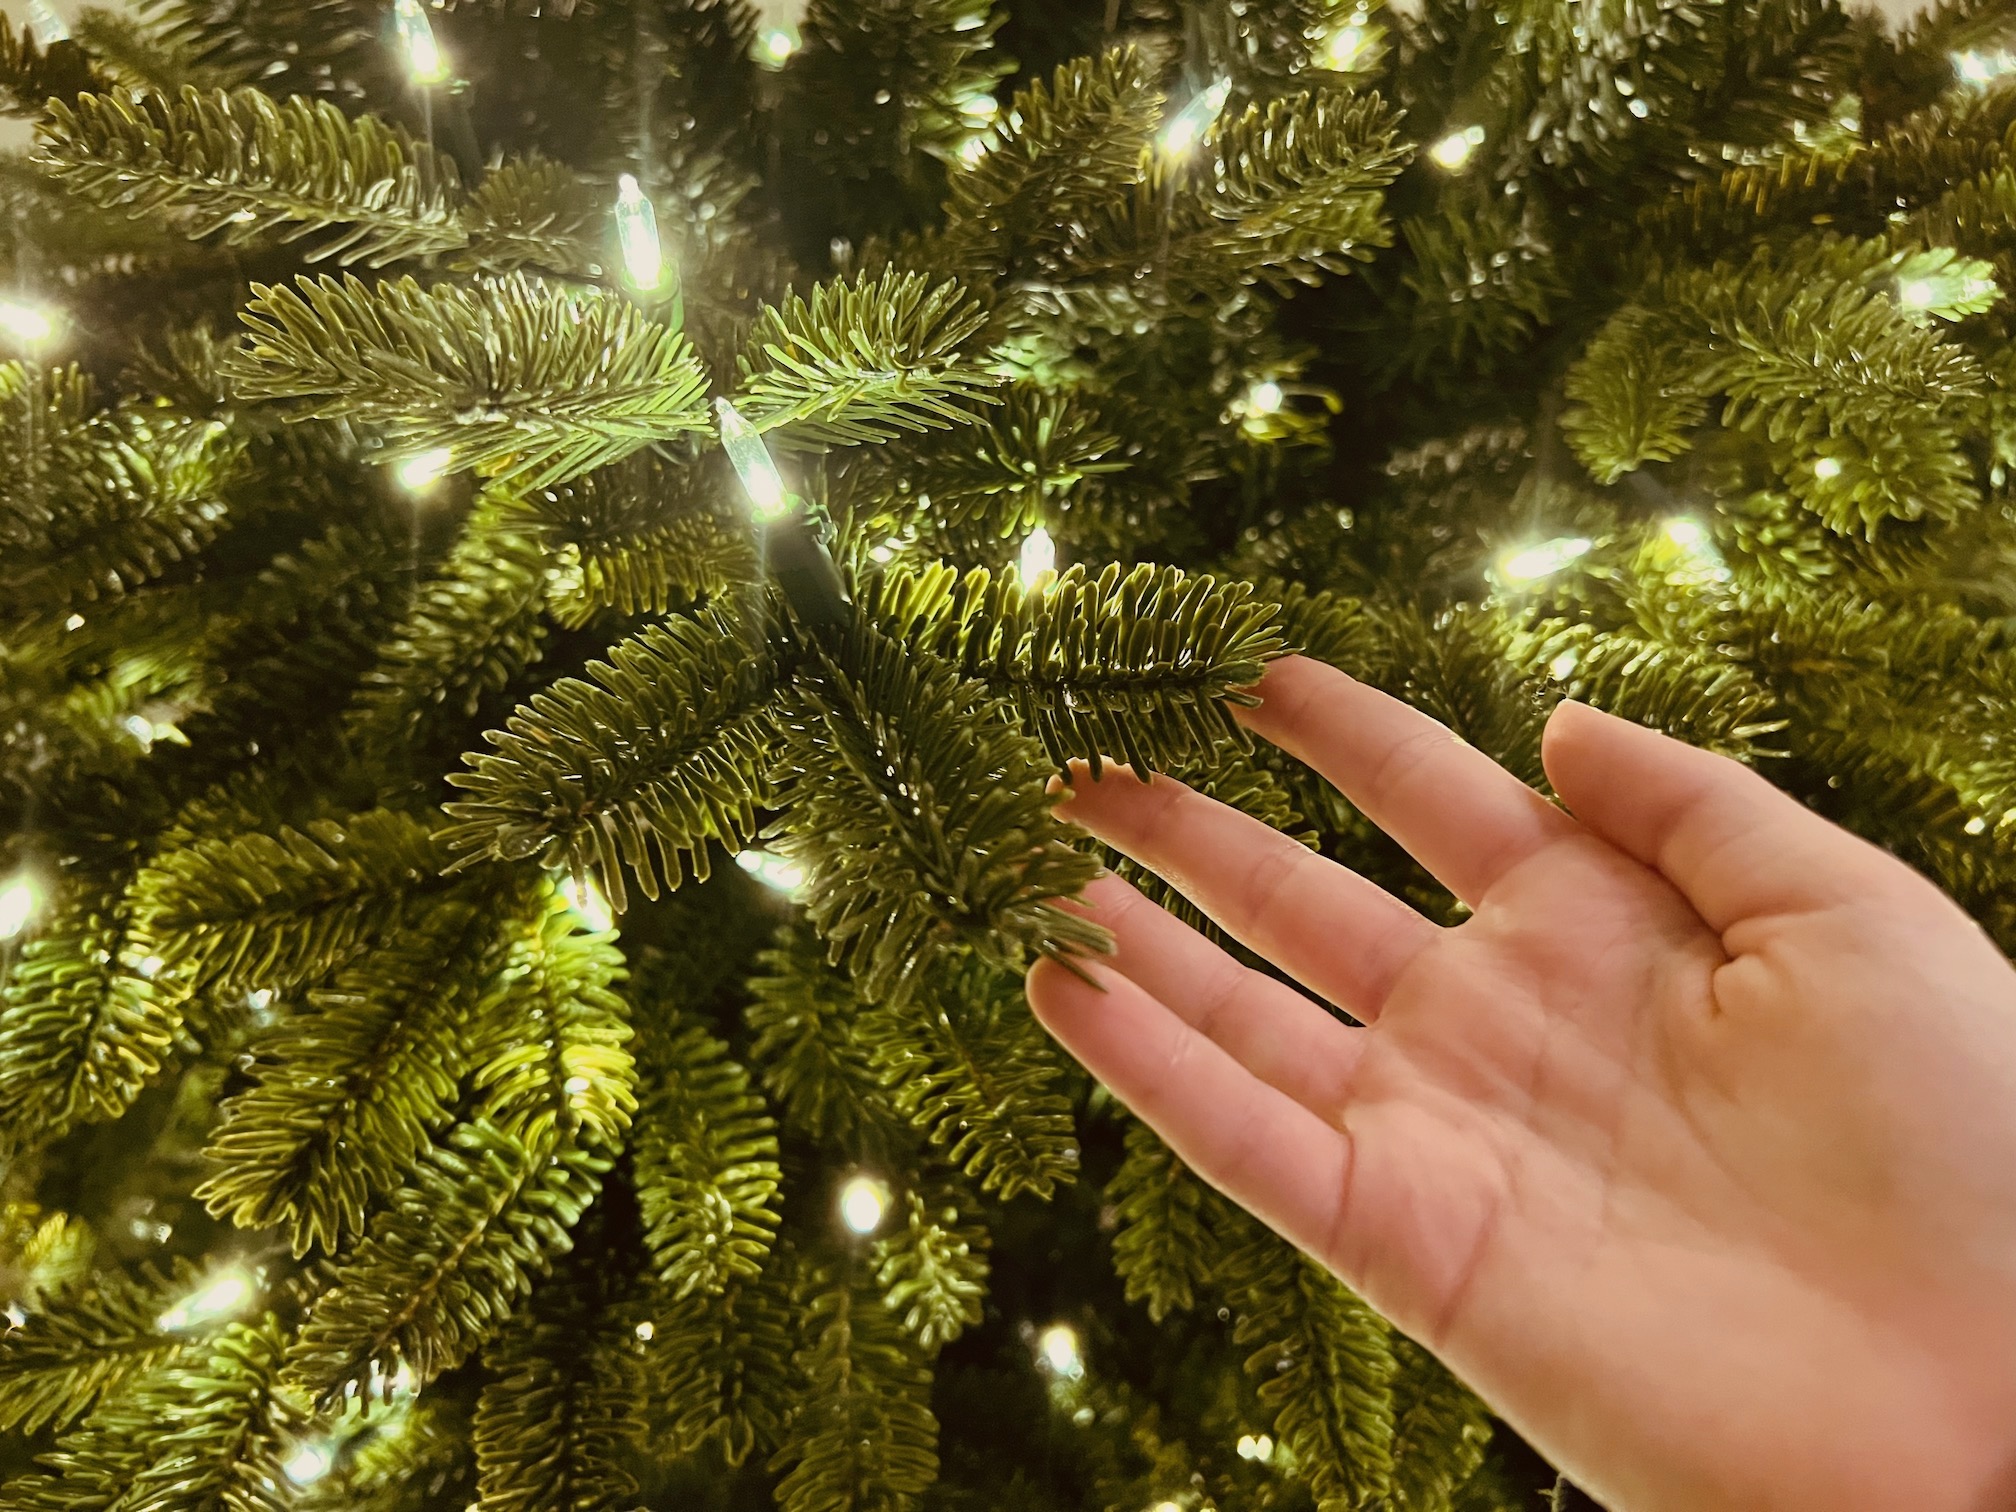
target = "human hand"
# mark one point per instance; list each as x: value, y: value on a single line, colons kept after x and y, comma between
x: 1693, y: 1150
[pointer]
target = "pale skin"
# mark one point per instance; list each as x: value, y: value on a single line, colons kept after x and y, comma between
x: 1692, y: 1150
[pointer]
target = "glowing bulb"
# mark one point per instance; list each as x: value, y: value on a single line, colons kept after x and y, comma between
x: 218, y: 1298
x: 1038, y: 556
x: 308, y: 1463
x: 1455, y: 149
x: 1186, y: 129
x: 16, y: 1315
x: 973, y: 149
x: 1167, y: 1506
x: 1544, y: 560
x: 150, y: 966
x: 19, y: 900
x: 75, y: 622
x: 29, y: 324
x: 587, y: 900
x: 1916, y: 294
x: 424, y: 63
x: 771, y: 870
x: 1255, y: 1446
x: 1264, y: 398
x: 753, y: 466
x: 1686, y: 534
x: 775, y: 47
x: 48, y: 27
x: 863, y: 1201
x: 1342, y: 49
x: 1980, y: 68
x: 141, y: 728
x: 576, y: 1086
x: 647, y: 1330
x: 422, y: 470
x: 1827, y: 468
x: 637, y: 234
x: 1058, y: 1345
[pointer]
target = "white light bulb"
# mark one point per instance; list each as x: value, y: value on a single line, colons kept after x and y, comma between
x: 637, y: 234
x: 1544, y: 560
x: 1038, y: 556
x: 1916, y: 294
x: 1564, y: 664
x: 1058, y: 1344
x: 576, y: 1086
x: 588, y: 901
x: 1686, y: 534
x: 1188, y: 126
x: 75, y: 622
x: 15, y: 1314
x: 1827, y: 468
x: 308, y: 1463
x: 1342, y: 48
x: 863, y: 1201
x: 218, y: 1298
x: 1167, y: 1506
x: 647, y: 1330
x: 771, y: 870
x: 1973, y: 67
x: 19, y: 900
x: 1264, y: 398
x: 1255, y: 1446
x: 1455, y: 149
x: 48, y: 27
x: 776, y: 45
x: 424, y: 63
x: 760, y: 479
x: 422, y: 470
x: 30, y: 324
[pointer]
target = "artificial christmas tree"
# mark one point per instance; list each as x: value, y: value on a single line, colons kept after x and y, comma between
x: 471, y: 472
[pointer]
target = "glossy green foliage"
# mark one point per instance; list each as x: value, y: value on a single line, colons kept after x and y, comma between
x: 517, y: 378
x: 863, y: 1438
x: 892, y: 878
x: 803, y: 1013
x: 724, y: 1381
x: 241, y: 163
x: 863, y: 360
x: 1440, y: 1432
x: 706, y: 1169
x: 1135, y: 664
x: 659, y: 754
x: 1325, y: 1364
x: 968, y: 1065
x: 446, y: 1261
x: 933, y: 1268
x: 1167, y: 1244
x: 86, y: 1341
x: 350, y: 1086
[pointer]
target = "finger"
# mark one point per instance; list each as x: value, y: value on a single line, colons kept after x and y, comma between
x: 1338, y: 934
x: 1269, y: 1028
x: 1454, y: 809
x: 1251, y: 1141
x: 1734, y: 845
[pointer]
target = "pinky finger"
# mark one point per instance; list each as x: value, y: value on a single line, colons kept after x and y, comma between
x: 1250, y: 1140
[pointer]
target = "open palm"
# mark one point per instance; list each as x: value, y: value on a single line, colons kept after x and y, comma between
x: 1693, y: 1150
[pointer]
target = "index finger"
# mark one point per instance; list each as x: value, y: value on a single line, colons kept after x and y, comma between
x: 1454, y: 809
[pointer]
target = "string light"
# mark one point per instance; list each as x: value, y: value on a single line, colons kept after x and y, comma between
x: 1827, y: 469
x: 637, y: 234
x: 863, y: 1201
x: 1264, y: 398
x: 1563, y: 665
x: 1342, y: 49
x: 1166, y: 1506
x: 308, y: 1463
x: 421, y: 471
x: 647, y: 1330
x: 1038, y: 556
x: 424, y: 62
x: 771, y: 870
x: 1455, y: 149
x: 1544, y: 560
x: 20, y: 900
x: 760, y: 479
x: 1916, y: 294
x: 221, y: 1296
x: 1058, y: 1345
x: 1189, y: 124
x: 588, y: 902
x: 1255, y: 1446
x: 775, y: 46
x: 1982, y: 68
x: 29, y: 324
x: 48, y: 27
x: 1686, y: 534
x: 75, y: 622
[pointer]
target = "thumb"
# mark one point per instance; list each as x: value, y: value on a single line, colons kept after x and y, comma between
x: 1733, y: 844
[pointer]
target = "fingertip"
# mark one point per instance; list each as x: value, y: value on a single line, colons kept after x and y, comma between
x: 1057, y: 988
